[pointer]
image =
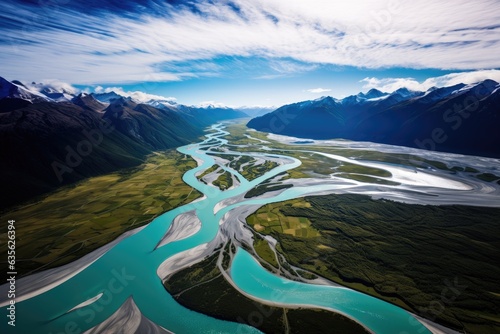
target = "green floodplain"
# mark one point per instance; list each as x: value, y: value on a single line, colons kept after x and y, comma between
x: 440, y: 262
x: 75, y: 220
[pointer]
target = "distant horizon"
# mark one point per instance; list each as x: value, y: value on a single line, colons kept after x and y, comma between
x: 142, y: 92
x: 237, y: 53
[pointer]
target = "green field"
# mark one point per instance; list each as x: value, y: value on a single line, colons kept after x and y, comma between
x: 75, y: 220
x: 265, y: 252
x: 269, y: 218
x: 437, y: 261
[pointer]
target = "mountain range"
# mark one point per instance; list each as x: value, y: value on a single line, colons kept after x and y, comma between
x: 459, y: 119
x: 52, y: 136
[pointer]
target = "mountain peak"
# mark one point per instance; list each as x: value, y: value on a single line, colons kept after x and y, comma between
x: 373, y: 94
x: 402, y: 90
x: 87, y: 101
x: 18, y: 83
x: 490, y: 82
x: 484, y: 88
x: 106, y: 97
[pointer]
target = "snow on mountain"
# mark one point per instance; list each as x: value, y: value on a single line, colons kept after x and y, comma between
x: 18, y: 90
x: 484, y: 88
x: 162, y: 104
x: 106, y: 97
x: 373, y: 94
x: 55, y: 90
x: 436, y: 94
x: 405, y: 93
x: 211, y: 105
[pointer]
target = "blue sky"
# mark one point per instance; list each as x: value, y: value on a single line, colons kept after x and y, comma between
x: 250, y: 52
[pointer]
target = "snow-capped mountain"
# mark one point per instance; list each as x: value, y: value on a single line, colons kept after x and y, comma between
x: 16, y: 90
x: 54, y: 90
x: 162, y: 103
x: 436, y: 94
x: 467, y: 118
x: 372, y: 94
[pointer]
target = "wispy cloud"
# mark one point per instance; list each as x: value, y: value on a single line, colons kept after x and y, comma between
x: 130, y: 43
x: 52, y: 85
x: 318, y: 90
x: 392, y: 84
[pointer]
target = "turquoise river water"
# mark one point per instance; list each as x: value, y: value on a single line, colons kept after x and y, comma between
x: 130, y: 269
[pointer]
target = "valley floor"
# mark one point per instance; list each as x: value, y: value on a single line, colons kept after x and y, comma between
x: 417, y: 229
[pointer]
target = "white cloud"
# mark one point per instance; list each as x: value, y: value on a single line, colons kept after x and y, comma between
x: 319, y: 90
x: 392, y: 84
x: 53, y: 85
x: 106, y: 48
x: 135, y: 95
x: 214, y: 104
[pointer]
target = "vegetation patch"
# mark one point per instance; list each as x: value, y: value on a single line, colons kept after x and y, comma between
x: 207, y: 171
x: 488, y: 177
x: 224, y: 181
x: 239, y: 161
x: 265, y: 252
x: 270, y: 218
x: 251, y: 172
x: 264, y: 188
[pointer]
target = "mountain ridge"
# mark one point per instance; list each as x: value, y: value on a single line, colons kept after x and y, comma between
x: 457, y: 119
x: 47, y: 143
